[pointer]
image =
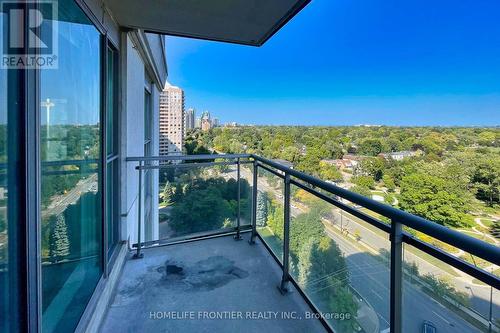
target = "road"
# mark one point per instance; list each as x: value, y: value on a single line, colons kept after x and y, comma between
x: 370, y: 277
x: 61, y: 202
x: 480, y: 293
x: 365, y: 268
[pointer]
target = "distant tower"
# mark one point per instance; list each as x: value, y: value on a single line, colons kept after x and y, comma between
x: 215, y: 122
x: 48, y: 105
x: 190, y: 116
x: 206, y: 121
x: 172, y: 130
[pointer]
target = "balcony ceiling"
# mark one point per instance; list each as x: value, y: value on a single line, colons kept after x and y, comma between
x: 250, y: 22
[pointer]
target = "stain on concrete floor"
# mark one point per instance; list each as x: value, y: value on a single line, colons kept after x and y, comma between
x: 204, y: 275
x: 208, y: 274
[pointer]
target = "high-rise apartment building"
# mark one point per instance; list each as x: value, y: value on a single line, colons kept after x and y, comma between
x: 197, y: 122
x: 190, y: 116
x: 172, y: 130
x: 216, y: 122
x: 206, y: 121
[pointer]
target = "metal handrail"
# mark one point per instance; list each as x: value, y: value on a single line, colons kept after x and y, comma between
x: 143, y: 166
x: 469, y: 244
x: 464, y: 242
x: 397, y: 235
x: 186, y: 157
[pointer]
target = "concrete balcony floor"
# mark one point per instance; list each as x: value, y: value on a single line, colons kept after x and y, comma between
x: 213, y: 285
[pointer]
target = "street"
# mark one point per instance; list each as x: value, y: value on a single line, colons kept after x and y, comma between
x: 364, y: 267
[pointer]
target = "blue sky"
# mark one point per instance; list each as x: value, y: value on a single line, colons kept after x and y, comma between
x: 344, y: 62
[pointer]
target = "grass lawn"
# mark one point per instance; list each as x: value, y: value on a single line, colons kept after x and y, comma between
x: 274, y: 242
x: 423, y: 255
x: 480, y: 237
x: 377, y: 192
x: 487, y: 222
x: 371, y: 213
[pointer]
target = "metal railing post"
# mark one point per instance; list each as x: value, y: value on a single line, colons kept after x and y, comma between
x: 283, y: 287
x: 490, y: 322
x: 138, y: 254
x: 254, y: 204
x: 238, y: 219
x: 396, y: 273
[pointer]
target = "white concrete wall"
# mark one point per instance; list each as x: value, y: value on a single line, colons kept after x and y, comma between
x: 132, y: 140
x: 132, y: 134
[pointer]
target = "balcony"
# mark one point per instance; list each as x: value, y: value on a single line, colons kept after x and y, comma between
x: 213, y: 285
x: 248, y: 244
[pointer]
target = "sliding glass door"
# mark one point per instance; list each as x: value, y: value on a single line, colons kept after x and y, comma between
x: 59, y: 174
x: 70, y: 150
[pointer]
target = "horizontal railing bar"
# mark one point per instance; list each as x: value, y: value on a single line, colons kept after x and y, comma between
x: 193, y: 236
x: 464, y: 266
x: 469, y: 244
x: 85, y: 171
x: 274, y: 172
x: 453, y: 261
x: 70, y: 162
x: 365, y: 217
x: 188, y: 165
x: 186, y: 157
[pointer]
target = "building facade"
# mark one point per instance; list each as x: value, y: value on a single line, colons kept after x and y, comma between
x: 197, y: 122
x: 205, y: 121
x: 65, y: 228
x: 190, y: 119
x: 172, y: 120
x: 216, y: 122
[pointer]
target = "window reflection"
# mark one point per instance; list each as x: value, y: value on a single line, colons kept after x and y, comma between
x: 70, y: 152
x: 5, y: 282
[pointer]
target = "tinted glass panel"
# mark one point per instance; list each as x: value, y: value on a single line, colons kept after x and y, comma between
x: 9, y: 229
x: 112, y: 203
x: 112, y: 103
x: 196, y: 199
x: 70, y: 151
x: 4, y: 259
x: 270, y: 210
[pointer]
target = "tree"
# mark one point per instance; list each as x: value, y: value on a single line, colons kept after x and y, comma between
x: 389, y: 183
x: 262, y: 202
x: 371, y: 147
x: 303, y: 266
x: 364, y: 181
x: 275, y: 218
x: 487, y: 138
x: 320, y: 265
x: 364, y: 191
x: 329, y: 172
x: 168, y: 193
x: 59, y: 242
x: 486, y: 179
x: 205, y: 205
x: 341, y: 300
x: 373, y: 167
x: 435, y: 199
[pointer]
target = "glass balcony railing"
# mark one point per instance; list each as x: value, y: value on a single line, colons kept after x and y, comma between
x: 362, y: 266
